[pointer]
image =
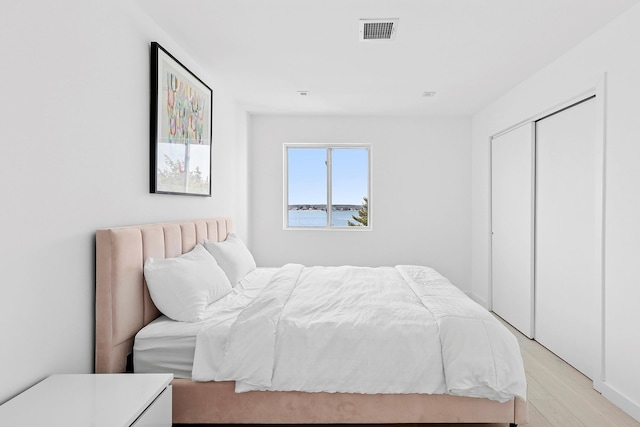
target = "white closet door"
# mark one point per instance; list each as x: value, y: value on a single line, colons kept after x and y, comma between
x: 566, y: 286
x: 512, y: 181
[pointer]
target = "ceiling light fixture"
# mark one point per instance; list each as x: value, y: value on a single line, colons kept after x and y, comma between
x: 428, y: 94
x: 304, y: 93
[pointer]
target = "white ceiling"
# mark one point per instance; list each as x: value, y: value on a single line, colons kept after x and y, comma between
x: 468, y: 51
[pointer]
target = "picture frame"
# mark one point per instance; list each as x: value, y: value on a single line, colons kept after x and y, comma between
x: 181, y: 128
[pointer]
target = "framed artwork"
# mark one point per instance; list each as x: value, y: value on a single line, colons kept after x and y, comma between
x: 181, y: 128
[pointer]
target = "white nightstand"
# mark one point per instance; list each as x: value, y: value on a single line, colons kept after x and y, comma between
x: 109, y: 400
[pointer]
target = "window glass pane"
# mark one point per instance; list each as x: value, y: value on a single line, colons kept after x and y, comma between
x: 307, y: 184
x: 349, y: 187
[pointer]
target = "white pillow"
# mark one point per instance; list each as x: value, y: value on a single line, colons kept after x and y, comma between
x: 232, y: 256
x: 184, y: 286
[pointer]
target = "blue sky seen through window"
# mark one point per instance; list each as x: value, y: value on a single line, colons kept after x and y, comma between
x: 307, y: 175
x: 350, y: 175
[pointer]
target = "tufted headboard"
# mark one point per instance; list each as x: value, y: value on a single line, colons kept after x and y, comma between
x: 123, y: 304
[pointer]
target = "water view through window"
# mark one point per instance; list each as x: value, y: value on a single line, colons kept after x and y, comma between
x: 315, y: 173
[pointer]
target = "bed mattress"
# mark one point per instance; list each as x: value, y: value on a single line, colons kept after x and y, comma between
x: 167, y: 346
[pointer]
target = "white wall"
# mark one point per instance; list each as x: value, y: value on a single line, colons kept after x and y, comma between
x: 612, y: 50
x: 420, y: 200
x: 75, y: 157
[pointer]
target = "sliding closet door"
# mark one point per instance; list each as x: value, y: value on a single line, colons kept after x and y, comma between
x: 566, y: 285
x: 512, y: 183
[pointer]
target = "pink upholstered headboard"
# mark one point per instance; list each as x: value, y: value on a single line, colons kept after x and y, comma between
x: 123, y: 304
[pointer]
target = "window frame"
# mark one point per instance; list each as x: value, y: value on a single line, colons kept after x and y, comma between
x: 328, y: 148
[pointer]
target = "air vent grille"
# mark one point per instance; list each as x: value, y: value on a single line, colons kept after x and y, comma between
x: 378, y: 29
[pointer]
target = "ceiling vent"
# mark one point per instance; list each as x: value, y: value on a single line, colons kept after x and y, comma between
x: 378, y: 29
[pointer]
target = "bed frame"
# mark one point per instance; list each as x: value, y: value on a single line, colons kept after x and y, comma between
x: 123, y: 307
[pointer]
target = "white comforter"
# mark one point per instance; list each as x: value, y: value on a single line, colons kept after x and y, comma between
x: 363, y: 330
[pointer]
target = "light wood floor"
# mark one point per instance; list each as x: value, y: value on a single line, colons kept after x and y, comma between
x: 558, y: 394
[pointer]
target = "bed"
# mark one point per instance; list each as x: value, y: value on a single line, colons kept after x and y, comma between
x: 124, y: 307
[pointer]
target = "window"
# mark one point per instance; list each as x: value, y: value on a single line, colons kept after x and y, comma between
x: 327, y: 186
